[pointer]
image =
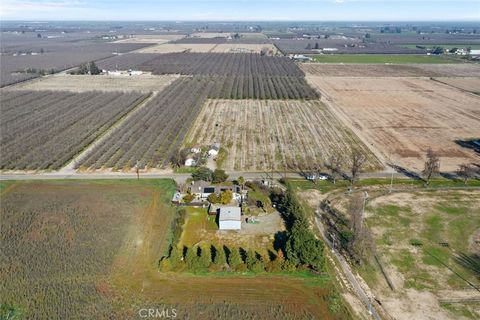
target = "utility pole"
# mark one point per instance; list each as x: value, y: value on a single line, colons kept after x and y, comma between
x: 137, y: 170
x: 392, y: 165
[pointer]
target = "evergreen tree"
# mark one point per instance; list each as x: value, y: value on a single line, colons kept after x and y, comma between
x: 234, y: 260
x: 205, y: 257
x: 175, y: 257
x: 191, y: 258
x: 220, y: 257
x: 251, y: 259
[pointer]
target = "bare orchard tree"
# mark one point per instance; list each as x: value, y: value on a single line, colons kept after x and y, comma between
x: 334, y: 165
x: 178, y: 157
x: 358, y: 161
x: 466, y: 171
x: 431, y: 166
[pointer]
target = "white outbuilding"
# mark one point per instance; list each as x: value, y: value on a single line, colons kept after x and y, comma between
x: 230, y: 218
x: 214, y: 149
x: 190, y: 162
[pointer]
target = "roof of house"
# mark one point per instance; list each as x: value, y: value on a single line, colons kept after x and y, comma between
x: 230, y: 214
x: 215, y: 146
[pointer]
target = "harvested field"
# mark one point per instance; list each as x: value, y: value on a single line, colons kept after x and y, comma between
x: 151, y: 38
x: 391, y: 70
x: 53, y: 266
x: 179, y: 47
x: 261, y: 135
x: 45, y: 129
x: 152, y: 136
x: 403, y: 117
x: 82, y: 83
x: 471, y: 84
x: 245, y: 48
x: 60, y: 241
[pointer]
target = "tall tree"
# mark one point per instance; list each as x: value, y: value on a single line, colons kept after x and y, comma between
x: 431, y: 166
x: 220, y: 257
x: 358, y: 161
x: 334, y: 165
x: 205, y: 256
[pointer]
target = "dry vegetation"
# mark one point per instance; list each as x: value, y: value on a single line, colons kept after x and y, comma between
x: 179, y: 47
x: 82, y: 83
x: 91, y: 249
x: 391, y: 70
x: 429, y: 242
x: 261, y: 135
x: 45, y: 129
x: 249, y: 48
x: 403, y: 117
x: 60, y: 240
x: 151, y: 38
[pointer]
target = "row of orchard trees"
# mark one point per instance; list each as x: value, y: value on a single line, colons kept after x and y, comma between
x: 300, y: 248
x: 210, y: 258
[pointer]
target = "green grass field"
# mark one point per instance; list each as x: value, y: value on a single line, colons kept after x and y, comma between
x: 381, y: 58
x: 449, y: 46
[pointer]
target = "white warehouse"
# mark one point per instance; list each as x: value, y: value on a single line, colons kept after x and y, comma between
x: 230, y: 218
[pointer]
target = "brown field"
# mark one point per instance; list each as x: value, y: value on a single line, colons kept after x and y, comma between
x: 92, y: 249
x: 179, y: 47
x: 151, y: 38
x: 391, y: 70
x: 259, y: 135
x: 402, y: 117
x: 240, y: 47
x: 471, y: 84
x: 81, y: 83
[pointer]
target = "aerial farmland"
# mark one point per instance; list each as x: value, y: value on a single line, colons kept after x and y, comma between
x: 220, y: 170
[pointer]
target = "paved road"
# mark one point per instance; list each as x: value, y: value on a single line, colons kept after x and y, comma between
x: 179, y: 177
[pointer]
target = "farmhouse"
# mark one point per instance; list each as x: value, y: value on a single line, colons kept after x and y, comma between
x: 230, y: 218
x: 203, y: 189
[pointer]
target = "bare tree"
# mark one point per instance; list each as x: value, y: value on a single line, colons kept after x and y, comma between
x: 358, y: 161
x: 466, y: 171
x: 334, y: 165
x: 431, y: 167
x: 178, y: 158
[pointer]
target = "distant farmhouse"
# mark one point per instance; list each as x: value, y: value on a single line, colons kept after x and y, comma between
x: 203, y: 189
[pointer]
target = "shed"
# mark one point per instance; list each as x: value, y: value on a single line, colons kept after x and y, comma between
x: 190, y: 162
x: 230, y: 218
x: 214, y: 149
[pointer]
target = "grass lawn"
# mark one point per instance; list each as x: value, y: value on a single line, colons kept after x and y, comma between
x: 381, y: 58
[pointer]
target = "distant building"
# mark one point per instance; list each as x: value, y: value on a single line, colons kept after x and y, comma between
x: 230, y: 218
x: 301, y: 57
x: 195, y: 150
x: 475, y: 52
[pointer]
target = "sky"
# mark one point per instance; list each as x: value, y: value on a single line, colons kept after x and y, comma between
x: 244, y: 10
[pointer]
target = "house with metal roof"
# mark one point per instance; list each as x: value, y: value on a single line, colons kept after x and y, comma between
x: 230, y: 218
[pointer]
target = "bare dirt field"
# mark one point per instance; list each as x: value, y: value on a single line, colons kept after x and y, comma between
x: 391, y: 70
x: 151, y: 38
x: 179, y: 47
x: 82, y: 83
x: 248, y: 48
x: 471, y: 84
x: 436, y: 277
x: 400, y: 118
x: 259, y: 135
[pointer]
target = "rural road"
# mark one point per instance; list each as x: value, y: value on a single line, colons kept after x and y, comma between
x: 178, y: 177
x: 348, y: 272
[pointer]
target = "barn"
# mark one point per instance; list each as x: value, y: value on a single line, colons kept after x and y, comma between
x: 230, y: 218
